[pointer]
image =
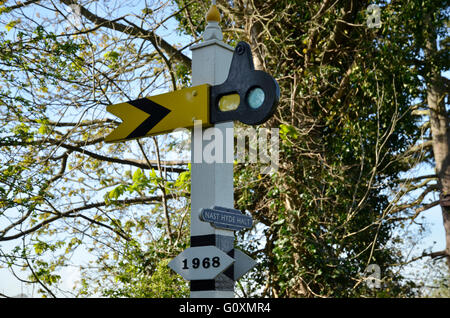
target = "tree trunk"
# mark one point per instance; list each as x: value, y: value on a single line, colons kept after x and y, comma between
x: 440, y: 131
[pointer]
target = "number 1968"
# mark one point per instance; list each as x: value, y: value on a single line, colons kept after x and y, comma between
x: 205, y: 262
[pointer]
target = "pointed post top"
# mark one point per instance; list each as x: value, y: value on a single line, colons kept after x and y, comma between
x: 213, y: 30
x: 212, y: 36
x: 213, y: 14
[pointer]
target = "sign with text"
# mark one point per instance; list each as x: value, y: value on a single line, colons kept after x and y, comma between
x: 203, y: 262
x: 226, y: 218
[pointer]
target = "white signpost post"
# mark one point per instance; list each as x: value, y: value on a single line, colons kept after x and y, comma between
x: 212, y: 183
x: 232, y: 76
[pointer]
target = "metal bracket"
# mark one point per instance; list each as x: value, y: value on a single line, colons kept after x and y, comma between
x: 242, y: 78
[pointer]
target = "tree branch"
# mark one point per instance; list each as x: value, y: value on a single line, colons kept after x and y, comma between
x: 20, y: 5
x: 418, y: 200
x: 424, y: 208
x: 131, y: 162
x: 70, y: 213
x: 162, y: 187
x: 37, y: 277
x: 156, y: 40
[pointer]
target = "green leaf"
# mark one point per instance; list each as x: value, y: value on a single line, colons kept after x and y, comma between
x: 137, y: 176
x: 12, y: 24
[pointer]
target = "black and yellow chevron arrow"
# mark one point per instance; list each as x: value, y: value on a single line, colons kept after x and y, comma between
x: 161, y: 113
x: 247, y: 95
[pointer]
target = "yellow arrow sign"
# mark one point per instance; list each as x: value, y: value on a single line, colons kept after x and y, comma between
x: 161, y: 113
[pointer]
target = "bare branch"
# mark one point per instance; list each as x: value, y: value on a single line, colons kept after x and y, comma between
x: 73, y: 212
x: 134, y: 30
x: 36, y: 277
x: 21, y: 4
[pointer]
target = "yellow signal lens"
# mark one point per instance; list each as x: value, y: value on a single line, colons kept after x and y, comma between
x: 229, y: 102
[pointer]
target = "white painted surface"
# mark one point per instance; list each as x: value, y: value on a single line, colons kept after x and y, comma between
x: 211, y: 183
x: 212, y: 294
x: 203, y: 262
x: 243, y: 263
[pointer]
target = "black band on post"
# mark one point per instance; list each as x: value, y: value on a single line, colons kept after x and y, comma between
x: 223, y: 281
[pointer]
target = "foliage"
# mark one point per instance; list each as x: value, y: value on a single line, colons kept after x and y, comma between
x: 63, y: 192
x: 352, y: 121
x: 346, y: 127
x: 144, y: 274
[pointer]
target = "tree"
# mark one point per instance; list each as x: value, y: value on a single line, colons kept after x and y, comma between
x: 437, y: 89
x: 62, y: 189
x: 350, y: 120
x: 349, y: 128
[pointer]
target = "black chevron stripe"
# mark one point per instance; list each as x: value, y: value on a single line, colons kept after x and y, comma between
x: 156, y: 112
